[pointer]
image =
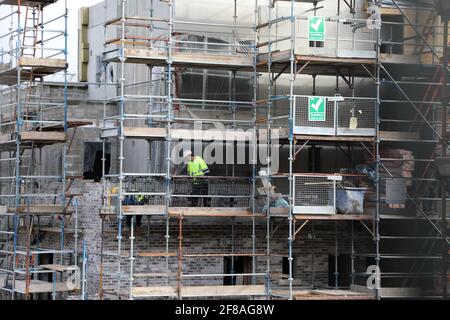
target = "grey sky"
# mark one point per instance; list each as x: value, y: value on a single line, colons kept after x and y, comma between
x: 53, y: 11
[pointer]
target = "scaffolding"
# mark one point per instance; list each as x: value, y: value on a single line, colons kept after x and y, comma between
x: 163, y: 118
x: 348, y: 59
x: 36, y: 205
x: 273, y: 48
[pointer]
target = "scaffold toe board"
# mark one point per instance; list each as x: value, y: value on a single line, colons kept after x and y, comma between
x: 70, y: 124
x: 199, y: 291
x: 149, y: 292
x: 212, y: 212
x: 334, y: 217
x: 144, y: 210
x: 38, y: 286
x: 42, y: 137
x: 331, y: 295
x: 37, y: 209
x: 334, y: 138
x: 223, y: 291
x: 181, y: 134
x: 30, y: 3
x: 181, y: 59
x: 36, y: 137
x: 59, y: 267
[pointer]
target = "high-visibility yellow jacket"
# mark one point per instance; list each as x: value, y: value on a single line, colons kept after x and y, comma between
x: 197, y: 167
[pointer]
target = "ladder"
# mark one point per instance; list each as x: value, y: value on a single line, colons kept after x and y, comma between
x: 30, y: 41
x: 30, y: 31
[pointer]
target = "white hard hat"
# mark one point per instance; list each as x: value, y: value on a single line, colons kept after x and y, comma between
x: 187, y: 153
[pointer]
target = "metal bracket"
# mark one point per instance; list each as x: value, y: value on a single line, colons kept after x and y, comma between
x: 299, y: 228
x: 372, y: 233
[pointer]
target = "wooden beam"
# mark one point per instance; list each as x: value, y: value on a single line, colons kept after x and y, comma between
x: 30, y: 3
x: 42, y: 136
x: 181, y: 59
x: 193, y: 255
x: 334, y: 217
x: 148, y: 292
x: 322, y: 59
x: 59, y: 267
x: 156, y: 254
x: 223, y: 291
x: 189, y: 134
x: 144, y: 210
x: 42, y: 63
x: 334, y: 138
x: 212, y: 212
x: 38, y: 209
x: 38, y: 286
x: 58, y: 230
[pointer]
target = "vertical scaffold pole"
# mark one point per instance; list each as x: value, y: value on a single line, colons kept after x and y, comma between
x: 377, y: 154
x: 291, y: 145
x: 254, y: 143
x: 268, y: 145
x: 17, y: 158
x: 169, y: 80
x: 121, y: 146
x: 444, y: 146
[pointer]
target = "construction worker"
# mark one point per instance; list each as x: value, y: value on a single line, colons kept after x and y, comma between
x: 197, y: 167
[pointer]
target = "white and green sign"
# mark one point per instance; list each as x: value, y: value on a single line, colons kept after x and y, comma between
x: 316, y: 28
x: 317, y: 108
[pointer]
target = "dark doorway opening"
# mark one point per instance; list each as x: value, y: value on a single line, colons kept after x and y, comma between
x: 93, y: 152
x: 344, y: 269
x: 237, y: 265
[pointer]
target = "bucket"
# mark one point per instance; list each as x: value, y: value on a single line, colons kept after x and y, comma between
x: 443, y: 165
x: 350, y: 200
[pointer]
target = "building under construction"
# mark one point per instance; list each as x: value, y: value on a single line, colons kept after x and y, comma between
x: 323, y: 124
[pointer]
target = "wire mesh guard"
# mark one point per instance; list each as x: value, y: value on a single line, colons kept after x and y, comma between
x: 315, y: 194
x: 223, y: 193
x: 334, y: 116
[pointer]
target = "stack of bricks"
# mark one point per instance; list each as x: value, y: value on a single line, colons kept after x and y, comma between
x: 401, y: 166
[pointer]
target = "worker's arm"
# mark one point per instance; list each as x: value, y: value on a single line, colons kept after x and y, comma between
x: 179, y: 170
x: 204, y: 167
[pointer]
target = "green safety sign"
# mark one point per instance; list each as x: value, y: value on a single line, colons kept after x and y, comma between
x: 317, y: 108
x: 316, y: 28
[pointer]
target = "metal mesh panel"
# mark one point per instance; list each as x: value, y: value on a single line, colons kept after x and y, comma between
x: 314, y: 194
x: 225, y: 192
x: 302, y: 123
x: 361, y: 109
x: 147, y: 184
